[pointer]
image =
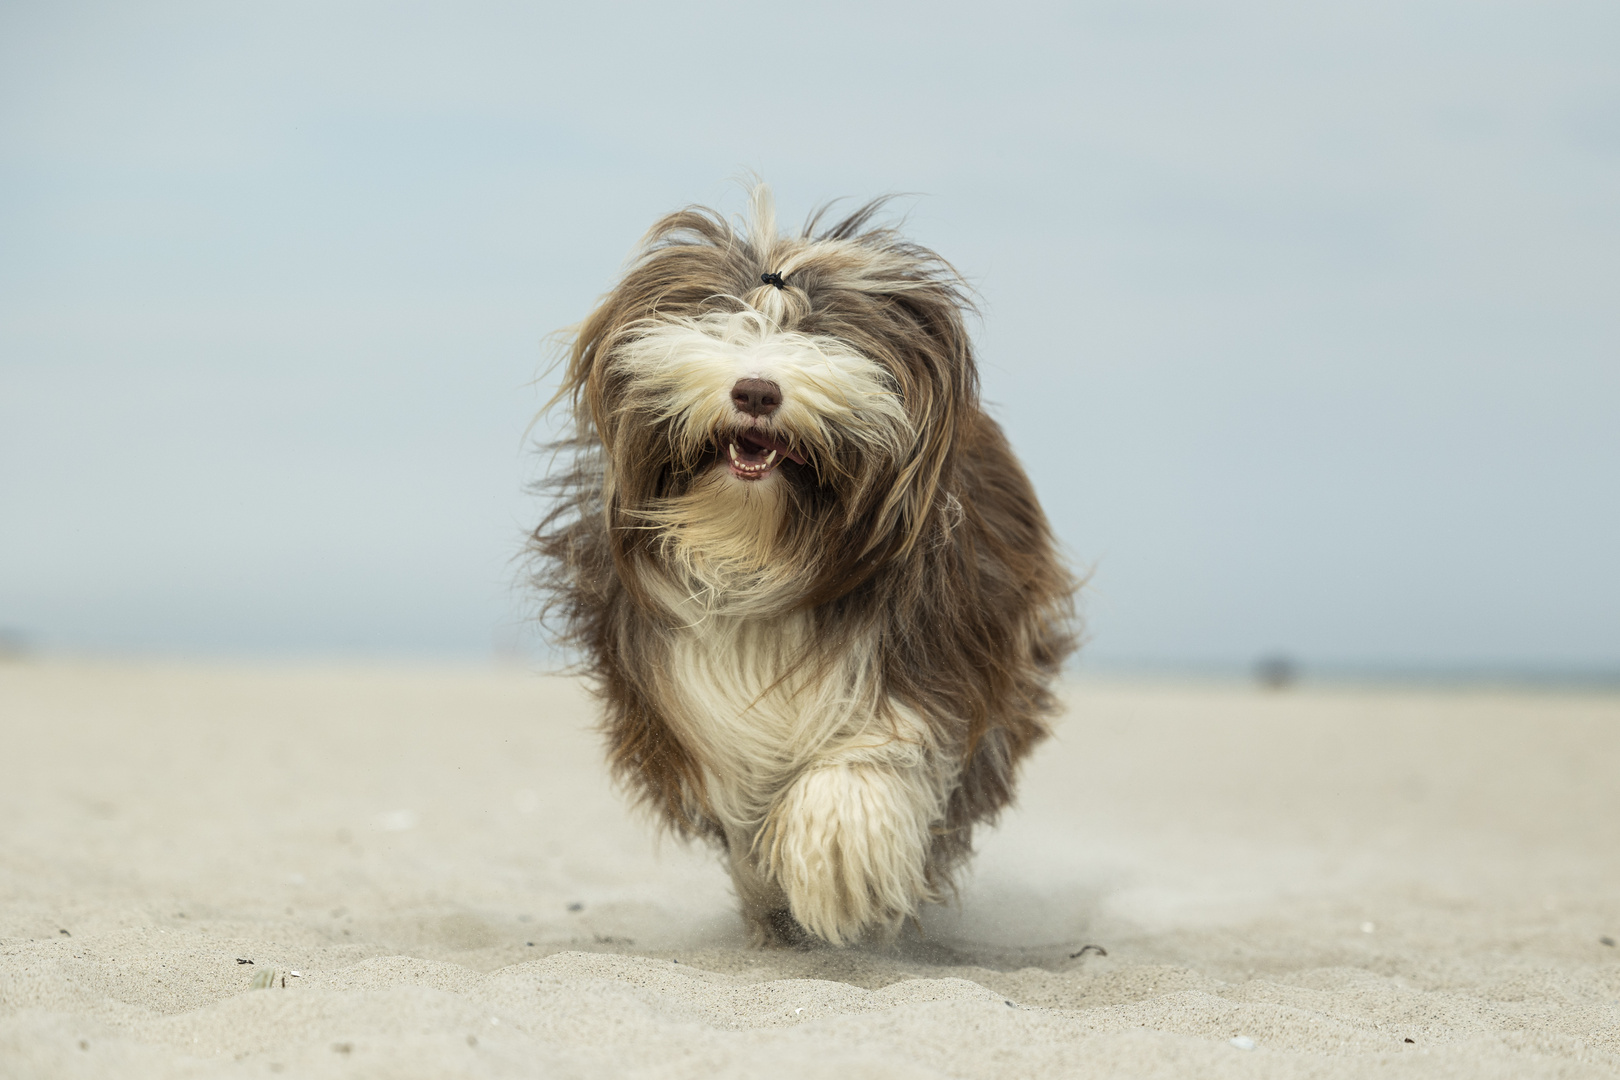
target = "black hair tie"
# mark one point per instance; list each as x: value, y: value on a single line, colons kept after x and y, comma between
x: 773, y: 278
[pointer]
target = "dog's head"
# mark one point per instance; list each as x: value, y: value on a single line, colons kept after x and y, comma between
x: 776, y: 415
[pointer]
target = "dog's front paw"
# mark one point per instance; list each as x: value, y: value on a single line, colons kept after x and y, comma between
x: 849, y: 846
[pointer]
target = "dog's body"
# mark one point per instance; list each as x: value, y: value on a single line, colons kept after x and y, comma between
x: 813, y: 585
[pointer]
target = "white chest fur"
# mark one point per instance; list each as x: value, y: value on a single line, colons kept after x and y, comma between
x: 756, y: 708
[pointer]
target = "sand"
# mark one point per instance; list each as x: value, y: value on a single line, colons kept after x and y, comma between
x: 431, y: 861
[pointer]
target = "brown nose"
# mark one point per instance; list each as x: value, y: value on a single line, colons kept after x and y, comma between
x: 756, y: 397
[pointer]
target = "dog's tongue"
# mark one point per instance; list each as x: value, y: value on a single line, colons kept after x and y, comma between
x: 764, y: 443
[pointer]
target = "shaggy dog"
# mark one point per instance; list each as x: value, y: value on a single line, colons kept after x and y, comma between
x: 811, y: 583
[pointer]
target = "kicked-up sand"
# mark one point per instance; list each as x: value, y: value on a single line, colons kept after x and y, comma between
x: 426, y: 874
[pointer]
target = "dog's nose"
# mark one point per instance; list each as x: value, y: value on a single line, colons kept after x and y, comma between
x: 756, y: 397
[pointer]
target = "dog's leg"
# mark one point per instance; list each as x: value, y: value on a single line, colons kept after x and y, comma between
x: 848, y: 842
x: 760, y: 898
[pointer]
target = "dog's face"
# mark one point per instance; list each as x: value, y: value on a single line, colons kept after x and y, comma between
x: 733, y: 394
x: 772, y: 442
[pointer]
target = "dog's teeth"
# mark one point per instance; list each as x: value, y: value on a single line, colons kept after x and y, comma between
x: 770, y: 457
x: 733, y: 451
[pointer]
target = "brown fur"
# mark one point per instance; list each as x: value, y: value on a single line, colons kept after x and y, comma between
x: 939, y: 552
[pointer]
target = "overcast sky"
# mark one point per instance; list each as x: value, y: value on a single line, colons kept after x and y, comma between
x: 1305, y: 317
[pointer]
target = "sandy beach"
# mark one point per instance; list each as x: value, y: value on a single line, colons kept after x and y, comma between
x: 430, y: 871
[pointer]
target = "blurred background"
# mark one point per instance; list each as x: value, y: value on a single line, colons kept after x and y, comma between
x: 1305, y: 318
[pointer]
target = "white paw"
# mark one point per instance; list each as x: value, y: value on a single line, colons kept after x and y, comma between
x: 849, y: 846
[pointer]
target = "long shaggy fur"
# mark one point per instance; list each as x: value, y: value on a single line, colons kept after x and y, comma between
x: 831, y: 671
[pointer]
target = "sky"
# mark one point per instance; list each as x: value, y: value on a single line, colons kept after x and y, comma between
x: 1303, y: 317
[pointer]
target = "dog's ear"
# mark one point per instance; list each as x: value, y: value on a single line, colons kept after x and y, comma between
x: 903, y: 306
x: 580, y: 387
x: 939, y: 387
x: 682, y: 263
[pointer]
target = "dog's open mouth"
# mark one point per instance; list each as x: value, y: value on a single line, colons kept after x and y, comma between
x: 753, y: 455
